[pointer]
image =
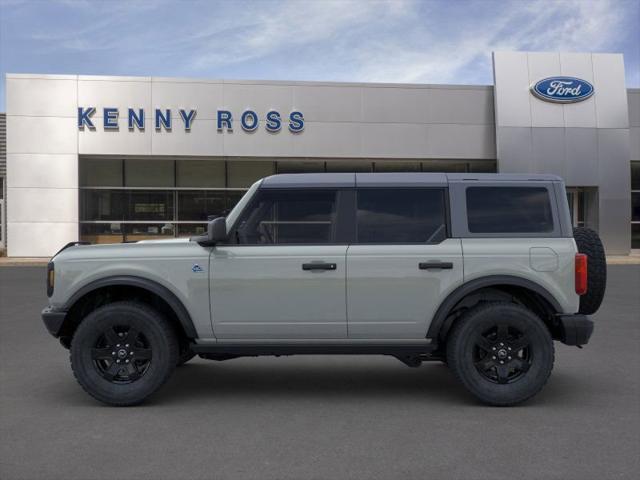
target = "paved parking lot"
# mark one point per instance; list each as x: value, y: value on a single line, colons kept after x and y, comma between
x: 319, y: 417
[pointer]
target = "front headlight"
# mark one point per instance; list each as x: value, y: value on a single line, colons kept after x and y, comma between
x: 51, y: 277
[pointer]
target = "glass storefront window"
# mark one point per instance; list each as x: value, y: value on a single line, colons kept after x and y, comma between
x: 242, y: 174
x: 102, y: 205
x: 191, y: 229
x: 102, y: 232
x: 287, y: 166
x: 635, y: 235
x: 391, y: 166
x: 150, y: 205
x: 346, y: 166
x: 149, y: 173
x: 101, y: 172
x: 200, y: 174
x: 134, y: 232
x: 199, y: 205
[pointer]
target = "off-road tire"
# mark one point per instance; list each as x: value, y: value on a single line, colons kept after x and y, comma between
x: 463, y: 349
x: 156, y: 342
x: 589, y: 243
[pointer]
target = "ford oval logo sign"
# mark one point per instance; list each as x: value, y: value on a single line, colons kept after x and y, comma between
x: 562, y: 89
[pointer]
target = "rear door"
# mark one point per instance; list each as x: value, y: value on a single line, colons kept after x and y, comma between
x: 402, y: 264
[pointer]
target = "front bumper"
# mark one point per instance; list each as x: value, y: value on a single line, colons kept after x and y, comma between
x: 575, y: 329
x: 54, y: 320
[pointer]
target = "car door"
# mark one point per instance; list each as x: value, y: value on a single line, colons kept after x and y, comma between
x: 283, y: 275
x: 402, y: 264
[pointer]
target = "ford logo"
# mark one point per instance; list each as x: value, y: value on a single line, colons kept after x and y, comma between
x: 562, y: 89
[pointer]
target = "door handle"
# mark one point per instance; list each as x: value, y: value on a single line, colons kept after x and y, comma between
x: 435, y: 265
x: 319, y: 266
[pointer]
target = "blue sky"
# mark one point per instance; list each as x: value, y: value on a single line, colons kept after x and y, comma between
x: 436, y: 41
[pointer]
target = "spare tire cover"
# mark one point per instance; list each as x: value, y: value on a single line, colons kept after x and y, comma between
x: 589, y: 243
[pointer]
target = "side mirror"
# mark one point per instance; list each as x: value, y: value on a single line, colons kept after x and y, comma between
x: 217, y: 230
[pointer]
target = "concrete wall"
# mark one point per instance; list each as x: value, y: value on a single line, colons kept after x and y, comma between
x: 586, y: 143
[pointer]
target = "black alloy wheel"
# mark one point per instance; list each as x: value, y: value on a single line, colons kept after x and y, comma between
x: 122, y: 354
x: 502, y: 354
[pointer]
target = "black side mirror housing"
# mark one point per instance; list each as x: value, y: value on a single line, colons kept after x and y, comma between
x: 216, y: 232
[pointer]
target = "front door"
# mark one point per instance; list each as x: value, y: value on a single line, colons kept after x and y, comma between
x: 402, y: 264
x: 283, y: 275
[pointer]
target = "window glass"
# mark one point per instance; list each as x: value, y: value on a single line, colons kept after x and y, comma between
x: 101, y: 232
x: 635, y: 235
x: 397, y: 166
x: 300, y: 167
x: 199, y: 205
x: 149, y: 173
x: 103, y: 172
x: 387, y: 215
x: 509, y: 210
x: 150, y: 205
x: 102, y: 205
x: 635, y: 207
x: 244, y: 174
x: 346, y: 166
x: 148, y: 231
x: 635, y: 175
x: 200, y: 173
x: 289, y: 216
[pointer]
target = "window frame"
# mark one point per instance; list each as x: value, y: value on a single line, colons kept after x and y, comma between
x: 344, y: 202
x: 447, y: 214
x: 460, y: 224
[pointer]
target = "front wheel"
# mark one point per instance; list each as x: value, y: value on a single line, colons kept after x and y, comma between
x: 123, y: 352
x: 501, y: 352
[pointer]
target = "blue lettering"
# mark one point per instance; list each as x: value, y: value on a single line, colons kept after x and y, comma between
x: 225, y: 119
x: 274, y: 124
x: 84, y: 117
x: 249, y: 120
x: 296, y: 122
x: 136, y: 120
x: 187, y: 118
x: 163, y: 120
x: 110, y: 117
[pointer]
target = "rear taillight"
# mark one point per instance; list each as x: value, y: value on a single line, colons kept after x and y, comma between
x: 581, y: 273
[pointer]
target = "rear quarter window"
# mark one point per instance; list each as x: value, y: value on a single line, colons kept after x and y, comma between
x: 509, y: 210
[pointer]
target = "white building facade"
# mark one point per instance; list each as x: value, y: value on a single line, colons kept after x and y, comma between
x: 111, y: 159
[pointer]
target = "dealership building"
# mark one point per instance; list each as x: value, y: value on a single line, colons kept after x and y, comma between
x: 112, y: 159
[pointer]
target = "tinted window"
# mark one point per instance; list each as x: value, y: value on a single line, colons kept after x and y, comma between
x: 509, y: 210
x: 289, y: 216
x: 388, y: 215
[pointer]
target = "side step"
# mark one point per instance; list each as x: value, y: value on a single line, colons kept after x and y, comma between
x: 409, y: 354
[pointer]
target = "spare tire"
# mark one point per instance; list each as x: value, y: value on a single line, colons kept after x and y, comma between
x: 589, y: 243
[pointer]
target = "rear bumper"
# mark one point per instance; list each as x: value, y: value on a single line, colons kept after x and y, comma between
x: 53, y: 319
x: 575, y: 329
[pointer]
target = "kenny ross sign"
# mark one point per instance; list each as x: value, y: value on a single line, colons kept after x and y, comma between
x: 162, y: 119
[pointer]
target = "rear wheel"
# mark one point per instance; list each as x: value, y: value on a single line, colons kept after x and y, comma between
x: 501, y: 352
x: 123, y: 352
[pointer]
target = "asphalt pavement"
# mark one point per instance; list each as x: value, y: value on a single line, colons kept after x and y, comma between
x: 316, y: 417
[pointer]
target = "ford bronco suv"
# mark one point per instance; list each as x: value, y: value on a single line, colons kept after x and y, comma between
x: 482, y: 272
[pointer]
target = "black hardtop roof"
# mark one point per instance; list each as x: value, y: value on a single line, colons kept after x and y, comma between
x: 400, y: 179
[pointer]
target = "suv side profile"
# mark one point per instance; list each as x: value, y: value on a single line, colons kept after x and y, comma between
x: 482, y: 272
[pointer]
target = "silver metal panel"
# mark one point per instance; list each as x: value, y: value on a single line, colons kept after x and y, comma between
x: 514, y: 150
x: 41, y: 135
x: 633, y: 98
x: 394, y: 140
x: 461, y: 106
x: 510, y: 71
x: 581, y: 114
x: 259, y: 98
x: 39, y: 239
x: 118, y: 141
x: 634, y: 141
x: 611, y: 95
x: 328, y: 103
x: 200, y: 140
x: 174, y: 95
x: 614, y: 225
x: 461, y: 141
x: 613, y: 162
x: 41, y: 96
x: 544, y: 114
x: 327, y: 140
x: 35, y: 204
x: 549, y: 150
x: 44, y: 171
x: 114, y: 93
x: 396, y: 105
x: 581, y: 157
